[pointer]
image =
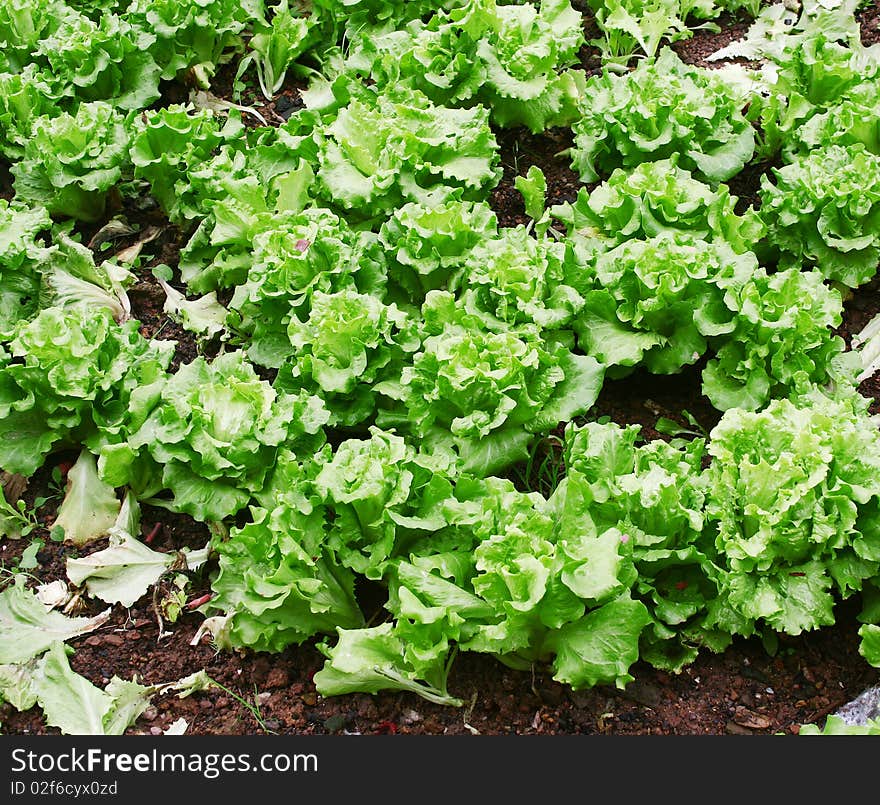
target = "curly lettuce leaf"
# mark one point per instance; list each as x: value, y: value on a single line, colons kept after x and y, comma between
x: 661, y: 108
x: 72, y: 161
x: 823, y: 211
x: 793, y: 495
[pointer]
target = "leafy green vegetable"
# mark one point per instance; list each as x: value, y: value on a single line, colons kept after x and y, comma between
x: 90, y: 507
x: 376, y: 487
x: 169, y: 143
x: 24, y: 96
x: 278, y: 582
x: 649, y: 499
x: 100, y: 60
x: 657, y: 197
x: 854, y: 118
x: 483, y: 387
x: 793, y: 493
x: 389, y: 147
x: 525, y: 51
x: 631, y: 25
x: 349, y: 342
x: 22, y: 253
x: 73, y: 375
x: 783, y: 337
x: 870, y: 645
x: 23, y: 24
x: 514, y: 278
x: 296, y: 255
x: 71, y: 161
x: 276, y: 45
x: 192, y: 35
x: 659, y: 302
x: 601, y: 647
x: 77, y: 707
x: 427, y: 242
x: 661, y: 108
x: 823, y: 210
x: 28, y: 627
x: 211, y: 437
x: 370, y: 660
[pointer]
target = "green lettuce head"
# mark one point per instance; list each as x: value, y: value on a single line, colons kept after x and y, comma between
x: 793, y: 496
x: 74, y: 375
x: 661, y: 108
x: 784, y: 337
x: 295, y: 256
x: 823, y: 211
x: 660, y: 301
x: 393, y: 146
x: 484, y: 390
x: 72, y: 161
x: 427, y: 242
x: 212, y: 438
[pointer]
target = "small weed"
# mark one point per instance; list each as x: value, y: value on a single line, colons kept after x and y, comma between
x: 253, y: 707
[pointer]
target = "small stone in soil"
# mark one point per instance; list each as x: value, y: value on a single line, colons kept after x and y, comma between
x: 335, y: 723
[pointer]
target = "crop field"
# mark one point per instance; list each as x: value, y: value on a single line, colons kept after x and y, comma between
x: 458, y: 367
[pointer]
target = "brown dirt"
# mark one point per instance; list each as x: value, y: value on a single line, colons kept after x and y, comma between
x: 745, y: 690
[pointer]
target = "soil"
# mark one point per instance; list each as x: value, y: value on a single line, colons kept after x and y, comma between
x: 749, y: 689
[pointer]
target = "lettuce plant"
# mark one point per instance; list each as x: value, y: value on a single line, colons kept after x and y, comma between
x: 517, y: 59
x: 352, y: 15
x: 210, y: 438
x: 294, y: 257
x: 515, y: 278
x: 823, y: 211
x: 511, y: 576
x: 69, y: 377
x: 486, y: 391
x: 437, y: 57
x: 170, y: 143
x: 22, y: 256
x: 72, y: 161
x: 650, y: 499
x: 23, y: 23
x: 661, y: 301
x: 784, y: 337
x: 816, y: 71
x: 196, y: 34
x: 276, y: 45
x: 348, y: 342
x: 237, y: 193
x: 427, y: 243
x: 24, y: 96
x: 661, y: 108
x: 278, y: 584
x: 525, y: 50
x: 853, y: 118
x: 380, y: 492
x: 100, y: 61
x: 793, y: 498
x: 657, y: 197
x: 632, y: 25
x: 42, y: 266
x: 389, y: 147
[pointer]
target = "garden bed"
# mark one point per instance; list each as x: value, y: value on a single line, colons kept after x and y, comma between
x: 744, y: 690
